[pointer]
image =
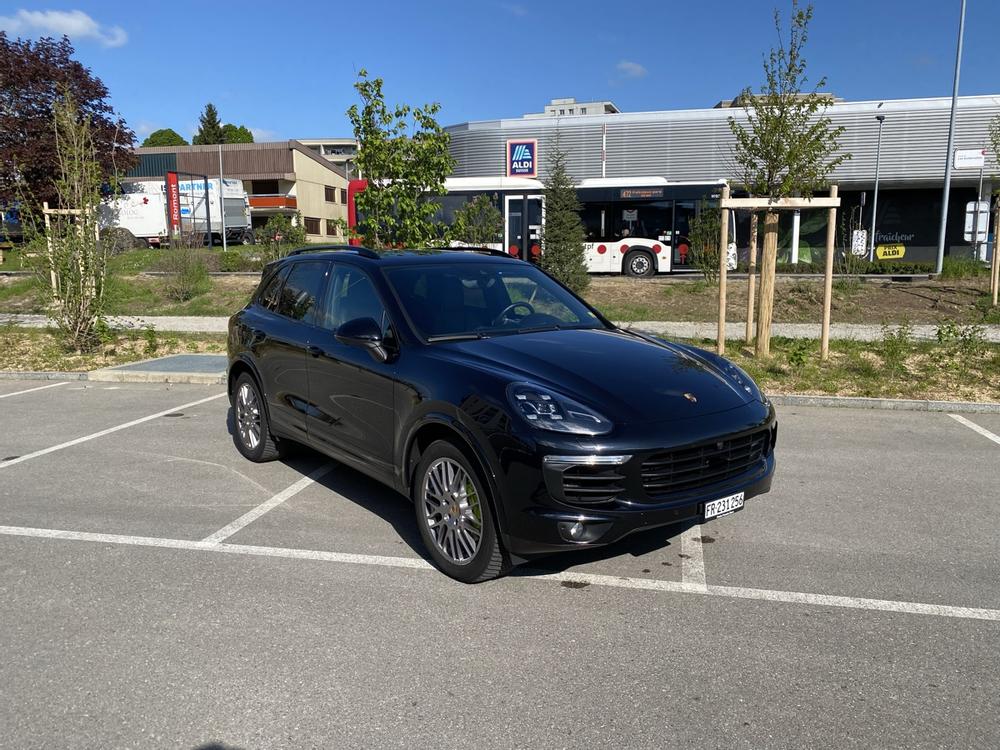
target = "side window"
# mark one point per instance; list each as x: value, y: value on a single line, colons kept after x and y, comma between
x: 303, y: 291
x: 352, y: 295
x: 271, y: 292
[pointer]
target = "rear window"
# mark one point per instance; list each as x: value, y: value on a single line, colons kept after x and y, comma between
x: 302, y: 291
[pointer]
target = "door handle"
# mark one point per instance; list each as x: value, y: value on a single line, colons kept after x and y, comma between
x: 315, y: 351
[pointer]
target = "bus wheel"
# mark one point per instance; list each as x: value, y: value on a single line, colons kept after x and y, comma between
x: 639, y: 263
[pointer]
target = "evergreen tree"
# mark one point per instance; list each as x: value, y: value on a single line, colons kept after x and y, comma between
x: 236, y: 134
x: 209, y: 128
x: 164, y: 137
x: 563, y: 235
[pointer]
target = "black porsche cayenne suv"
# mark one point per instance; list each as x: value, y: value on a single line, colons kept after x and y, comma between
x: 514, y: 415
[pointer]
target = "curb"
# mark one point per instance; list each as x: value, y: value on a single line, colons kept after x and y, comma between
x: 887, y: 404
x: 794, y: 399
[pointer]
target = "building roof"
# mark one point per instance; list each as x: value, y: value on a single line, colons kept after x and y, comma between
x: 245, y: 161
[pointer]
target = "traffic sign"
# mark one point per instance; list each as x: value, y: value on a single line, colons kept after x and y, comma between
x: 970, y: 158
x: 980, y: 225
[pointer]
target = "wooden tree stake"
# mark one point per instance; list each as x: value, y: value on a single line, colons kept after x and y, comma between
x: 995, y: 269
x: 831, y: 234
x: 720, y: 346
x: 767, y: 270
x: 751, y: 279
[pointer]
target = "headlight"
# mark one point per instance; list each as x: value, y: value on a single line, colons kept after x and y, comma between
x: 548, y: 410
x: 743, y: 380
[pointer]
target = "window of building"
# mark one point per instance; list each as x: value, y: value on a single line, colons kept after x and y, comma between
x: 331, y: 228
x: 571, y: 110
x: 312, y: 225
x: 264, y: 187
x: 562, y: 111
x: 583, y: 110
x: 343, y: 196
x: 330, y: 193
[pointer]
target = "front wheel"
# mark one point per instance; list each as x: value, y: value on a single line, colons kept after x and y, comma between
x: 639, y: 263
x: 454, y: 516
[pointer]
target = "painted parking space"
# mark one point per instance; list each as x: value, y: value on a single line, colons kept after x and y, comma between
x: 47, y: 418
x: 17, y: 388
x: 894, y: 505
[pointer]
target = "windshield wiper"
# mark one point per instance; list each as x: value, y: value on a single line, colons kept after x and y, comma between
x: 457, y: 337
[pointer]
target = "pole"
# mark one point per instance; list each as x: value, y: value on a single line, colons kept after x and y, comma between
x: 720, y: 345
x: 831, y: 234
x: 751, y: 268
x: 995, y: 275
x: 975, y: 217
x: 951, y: 145
x: 878, y: 157
x: 222, y: 201
x: 796, y: 228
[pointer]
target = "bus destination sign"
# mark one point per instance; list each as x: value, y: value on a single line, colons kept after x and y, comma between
x: 633, y: 193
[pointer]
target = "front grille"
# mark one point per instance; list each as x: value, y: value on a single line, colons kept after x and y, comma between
x: 690, y: 468
x: 590, y: 485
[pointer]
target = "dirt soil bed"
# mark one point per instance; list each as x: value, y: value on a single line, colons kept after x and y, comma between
x: 798, y: 300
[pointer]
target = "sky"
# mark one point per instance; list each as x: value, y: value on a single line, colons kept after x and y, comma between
x: 286, y: 70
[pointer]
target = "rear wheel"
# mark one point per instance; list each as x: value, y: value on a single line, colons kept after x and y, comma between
x: 252, y: 435
x: 454, y: 516
x: 639, y: 263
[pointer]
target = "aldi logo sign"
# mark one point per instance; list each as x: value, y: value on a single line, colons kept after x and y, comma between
x: 522, y: 158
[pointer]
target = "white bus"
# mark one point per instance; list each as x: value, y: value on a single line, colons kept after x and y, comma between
x: 634, y: 225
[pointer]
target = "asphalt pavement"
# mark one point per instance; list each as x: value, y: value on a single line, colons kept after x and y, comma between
x: 157, y: 590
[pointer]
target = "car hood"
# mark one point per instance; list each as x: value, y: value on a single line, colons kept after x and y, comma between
x: 629, y: 378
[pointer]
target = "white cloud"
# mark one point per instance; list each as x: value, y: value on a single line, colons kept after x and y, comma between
x: 262, y: 135
x: 631, y: 69
x: 145, y: 127
x: 73, y: 23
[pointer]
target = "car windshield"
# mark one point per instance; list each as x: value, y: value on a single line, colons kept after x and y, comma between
x: 487, y: 299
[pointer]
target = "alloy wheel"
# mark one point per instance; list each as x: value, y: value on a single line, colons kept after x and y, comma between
x: 452, y: 511
x: 248, y: 416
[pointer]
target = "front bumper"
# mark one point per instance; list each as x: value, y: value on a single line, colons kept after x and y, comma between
x: 540, y: 515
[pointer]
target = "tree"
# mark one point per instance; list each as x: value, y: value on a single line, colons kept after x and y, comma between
x: 75, y: 258
x: 236, y: 134
x: 477, y: 223
x: 164, y: 137
x: 563, y: 235
x: 280, y: 235
x: 786, y: 146
x: 33, y: 77
x: 703, y: 233
x: 403, y: 153
x: 209, y: 128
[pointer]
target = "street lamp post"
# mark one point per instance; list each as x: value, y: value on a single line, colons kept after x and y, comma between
x: 878, y: 156
x: 951, y: 145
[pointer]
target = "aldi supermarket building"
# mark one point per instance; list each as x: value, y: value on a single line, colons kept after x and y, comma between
x: 695, y: 146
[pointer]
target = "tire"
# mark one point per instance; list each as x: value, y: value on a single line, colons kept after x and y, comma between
x: 252, y: 433
x: 449, y: 516
x: 640, y: 264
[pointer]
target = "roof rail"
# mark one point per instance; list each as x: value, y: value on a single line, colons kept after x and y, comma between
x: 364, y: 252
x: 474, y: 249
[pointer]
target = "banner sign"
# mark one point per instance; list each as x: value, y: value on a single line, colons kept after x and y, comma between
x: 522, y: 158
x: 173, y: 203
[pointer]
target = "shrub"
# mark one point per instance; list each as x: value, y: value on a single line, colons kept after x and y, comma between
x: 703, y: 232
x: 894, y: 346
x: 187, y: 274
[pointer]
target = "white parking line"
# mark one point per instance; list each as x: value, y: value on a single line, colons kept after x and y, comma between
x: 621, y: 582
x: 976, y: 428
x: 693, y: 557
x: 102, y: 433
x: 247, y: 518
x: 32, y: 390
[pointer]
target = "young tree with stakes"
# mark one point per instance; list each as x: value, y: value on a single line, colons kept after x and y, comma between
x: 785, y: 146
x: 403, y: 153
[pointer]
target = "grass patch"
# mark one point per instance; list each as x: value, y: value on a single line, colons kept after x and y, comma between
x: 964, y: 268
x: 959, y: 366
x: 37, y: 349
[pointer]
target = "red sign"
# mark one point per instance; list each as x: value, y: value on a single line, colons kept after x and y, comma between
x: 173, y: 203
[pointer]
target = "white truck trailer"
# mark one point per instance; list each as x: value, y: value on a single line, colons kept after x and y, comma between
x: 142, y: 209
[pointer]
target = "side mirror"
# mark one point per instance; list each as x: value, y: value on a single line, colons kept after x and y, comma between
x: 364, y: 333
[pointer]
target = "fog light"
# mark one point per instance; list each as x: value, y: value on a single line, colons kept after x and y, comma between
x: 576, y: 530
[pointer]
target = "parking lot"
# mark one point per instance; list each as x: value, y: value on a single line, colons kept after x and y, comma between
x: 157, y: 590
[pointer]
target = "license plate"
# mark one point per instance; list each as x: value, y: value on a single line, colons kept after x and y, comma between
x: 723, y: 506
